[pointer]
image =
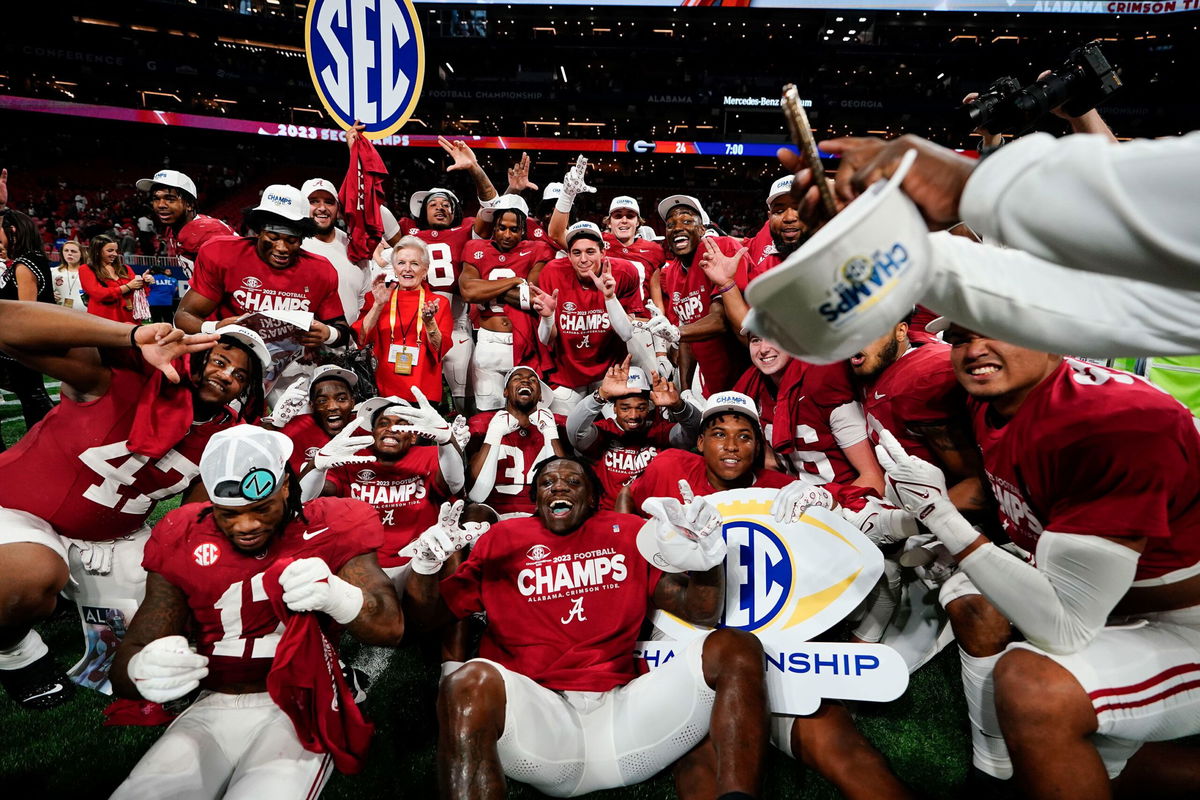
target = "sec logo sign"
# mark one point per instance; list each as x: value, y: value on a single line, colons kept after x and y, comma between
x: 367, y: 61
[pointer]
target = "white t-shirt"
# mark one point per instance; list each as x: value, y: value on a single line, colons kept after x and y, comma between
x: 353, y: 281
x: 67, y: 290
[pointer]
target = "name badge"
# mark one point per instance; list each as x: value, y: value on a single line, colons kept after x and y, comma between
x: 404, y: 358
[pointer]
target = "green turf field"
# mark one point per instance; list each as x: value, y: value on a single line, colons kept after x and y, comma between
x: 66, y: 753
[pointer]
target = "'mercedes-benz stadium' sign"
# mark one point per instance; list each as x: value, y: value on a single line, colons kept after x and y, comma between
x: 367, y: 61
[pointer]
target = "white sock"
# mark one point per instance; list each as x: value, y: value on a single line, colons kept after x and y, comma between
x: 24, y: 652
x: 989, y: 753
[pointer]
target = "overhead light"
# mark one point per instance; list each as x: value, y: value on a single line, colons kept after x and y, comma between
x: 450, y: 67
x: 839, y: 19
x: 563, y: 70
x: 940, y: 76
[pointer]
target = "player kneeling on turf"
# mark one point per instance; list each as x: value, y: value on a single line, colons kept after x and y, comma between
x: 242, y: 574
x: 554, y: 700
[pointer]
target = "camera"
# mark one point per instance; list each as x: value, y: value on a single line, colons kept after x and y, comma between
x: 1082, y: 83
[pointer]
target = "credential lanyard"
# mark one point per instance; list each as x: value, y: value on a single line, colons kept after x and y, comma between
x: 420, y: 321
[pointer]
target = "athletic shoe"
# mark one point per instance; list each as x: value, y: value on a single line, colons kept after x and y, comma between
x: 38, y: 686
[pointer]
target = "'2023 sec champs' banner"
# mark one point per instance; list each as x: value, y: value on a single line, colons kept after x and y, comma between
x: 367, y: 61
x: 787, y: 583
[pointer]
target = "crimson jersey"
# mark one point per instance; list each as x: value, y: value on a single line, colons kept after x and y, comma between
x: 446, y: 248
x: 645, y: 255
x: 75, y: 471
x: 1097, y: 451
x: 406, y: 495
x: 494, y: 264
x: 762, y: 391
x: 520, y: 452
x: 307, y: 438
x: 619, y: 456
x: 687, y: 294
x: 585, y: 345
x: 810, y: 396
x: 235, y: 625
x: 230, y: 273
x: 662, y: 477
x: 919, y: 387
x: 563, y: 610
x: 763, y: 255
x: 916, y: 329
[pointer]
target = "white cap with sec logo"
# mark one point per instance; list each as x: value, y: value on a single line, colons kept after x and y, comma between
x: 244, y: 464
x: 851, y: 281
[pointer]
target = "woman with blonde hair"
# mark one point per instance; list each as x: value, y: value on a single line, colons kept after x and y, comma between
x: 68, y: 291
x: 407, y: 325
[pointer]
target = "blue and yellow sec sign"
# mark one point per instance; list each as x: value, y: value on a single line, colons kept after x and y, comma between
x: 367, y: 61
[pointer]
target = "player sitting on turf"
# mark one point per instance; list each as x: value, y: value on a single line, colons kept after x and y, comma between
x: 554, y: 699
x: 77, y: 488
x: 620, y: 448
x: 236, y: 576
x: 1097, y: 474
x: 507, y: 444
x: 731, y: 457
x: 313, y: 411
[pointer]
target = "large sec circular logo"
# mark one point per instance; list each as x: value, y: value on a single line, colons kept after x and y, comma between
x: 367, y: 61
x: 758, y: 575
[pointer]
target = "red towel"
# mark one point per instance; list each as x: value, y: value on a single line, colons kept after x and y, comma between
x: 360, y: 196
x: 306, y: 681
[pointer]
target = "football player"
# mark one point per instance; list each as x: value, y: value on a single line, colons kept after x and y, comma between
x: 587, y: 301
x: 1097, y: 474
x: 731, y: 456
x: 173, y: 202
x: 236, y: 575
x: 496, y: 275
x: 329, y: 397
x: 79, y: 485
x: 507, y: 444
x: 554, y: 700
x: 621, y: 447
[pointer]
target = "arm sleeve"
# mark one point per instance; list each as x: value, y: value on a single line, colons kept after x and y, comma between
x: 1088, y: 204
x: 390, y: 226
x: 485, y: 481
x: 1061, y: 604
x: 848, y: 424
x: 1027, y: 301
x: 581, y: 423
x: 618, y: 319
x: 450, y: 464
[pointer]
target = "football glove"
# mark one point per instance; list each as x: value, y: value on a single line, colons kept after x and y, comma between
x: 167, y: 669
x: 309, y: 585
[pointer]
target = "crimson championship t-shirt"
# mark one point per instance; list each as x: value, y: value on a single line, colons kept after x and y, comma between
x: 235, y: 625
x: 406, y: 494
x: 586, y: 345
x: 619, y: 456
x: 687, y: 294
x: 564, y: 610
x: 230, y: 273
x: 1098, y: 451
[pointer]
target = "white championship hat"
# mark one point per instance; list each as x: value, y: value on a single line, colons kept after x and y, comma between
x: 168, y: 177
x: 332, y: 371
x: 318, y: 185
x: 779, y: 188
x: 252, y: 340
x: 505, y: 202
x: 284, y: 201
x: 849, y: 283
x: 244, y: 464
x: 547, y: 392
x: 721, y: 402
x: 665, y: 206
x: 553, y: 191
x: 588, y: 229
x: 624, y: 201
x: 418, y: 199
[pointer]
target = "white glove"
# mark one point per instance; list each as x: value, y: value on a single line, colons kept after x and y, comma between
x: 688, y: 534
x: 460, y: 430
x: 502, y: 424
x: 424, y: 419
x: 442, y: 539
x: 543, y: 420
x: 167, y: 669
x: 882, y: 523
x: 308, y: 585
x: 292, y: 403
x: 930, y: 559
x: 97, y: 557
x: 664, y: 367
x: 797, y: 497
x: 343, y: 449
x: 661, y: 328
x: 918, y: 485
x: 573, y: 184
